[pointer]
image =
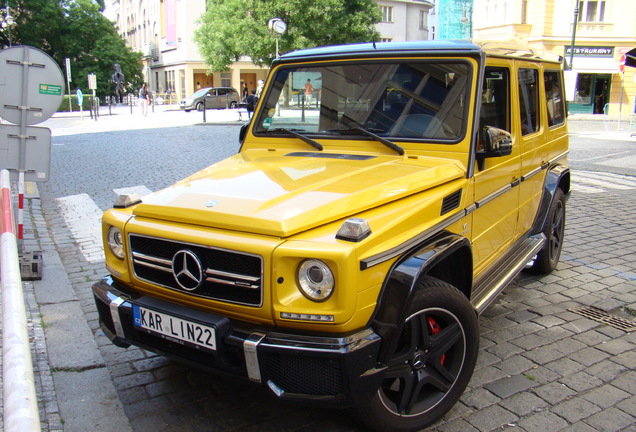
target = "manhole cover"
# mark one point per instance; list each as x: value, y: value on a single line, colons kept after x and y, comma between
x: 605, y: 318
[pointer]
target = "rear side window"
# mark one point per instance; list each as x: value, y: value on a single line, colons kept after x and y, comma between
x: 495, y: 98
x: 554, y: 97
x: 529, y: 100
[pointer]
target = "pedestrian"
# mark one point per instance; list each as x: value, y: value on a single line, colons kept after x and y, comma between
x: 251, y: 101
x: 144, y: 98
x: 308, y: 91
x: 259, y: 89
x: 244, y: 92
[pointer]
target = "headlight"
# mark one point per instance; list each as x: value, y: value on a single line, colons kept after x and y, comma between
x: 315, y: 279
x: 115, y: 242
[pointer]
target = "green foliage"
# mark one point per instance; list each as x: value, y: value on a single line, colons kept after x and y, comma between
x: 76, y: 29
x: 231, y: 29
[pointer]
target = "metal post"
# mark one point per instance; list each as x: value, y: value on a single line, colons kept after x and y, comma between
x: 203, y: 109
x: 576, y: 15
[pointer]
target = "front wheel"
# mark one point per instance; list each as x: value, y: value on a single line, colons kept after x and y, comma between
x: 432, y: 363
x: 547, y: 260
x: 199, y: 106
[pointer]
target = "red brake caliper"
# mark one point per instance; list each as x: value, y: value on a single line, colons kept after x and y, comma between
x: 434, y: 328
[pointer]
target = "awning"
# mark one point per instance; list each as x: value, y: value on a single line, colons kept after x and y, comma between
x: 630, y: 58
x: 599, y: 65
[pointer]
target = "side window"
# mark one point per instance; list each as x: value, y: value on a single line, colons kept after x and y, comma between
x: 495, y: 98
x: 529, y: 100
x: 554, y: 97
x: 221, y: 92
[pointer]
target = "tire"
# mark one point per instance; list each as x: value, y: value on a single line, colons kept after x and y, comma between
x: 432, y: 364
x: 548, y: 258
x: 187, y: 110
x: 199, y: 106
x: 233, y: 104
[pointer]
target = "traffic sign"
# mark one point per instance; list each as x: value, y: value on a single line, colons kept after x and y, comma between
x: 80, y: 98
x: 36, y: 85
x: 621, y: 63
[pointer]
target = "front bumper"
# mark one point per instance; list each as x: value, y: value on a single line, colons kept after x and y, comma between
x: 330, y: 369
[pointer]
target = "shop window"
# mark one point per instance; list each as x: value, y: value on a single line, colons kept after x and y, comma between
x: 554, y: 97
x: 528, y: 100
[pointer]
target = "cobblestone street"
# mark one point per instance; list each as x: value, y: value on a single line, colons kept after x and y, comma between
x: 541, y: 367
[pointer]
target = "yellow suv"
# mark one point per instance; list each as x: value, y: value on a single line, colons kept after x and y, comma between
x: 384, y: 194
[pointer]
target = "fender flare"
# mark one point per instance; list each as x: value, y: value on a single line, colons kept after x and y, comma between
x: 557, y: 176
x: 400, y: 286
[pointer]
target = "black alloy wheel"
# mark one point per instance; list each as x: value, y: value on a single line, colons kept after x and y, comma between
x: 554, y: 231
x: 432, y: 364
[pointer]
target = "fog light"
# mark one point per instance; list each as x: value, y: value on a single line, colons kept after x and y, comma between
x: 306, y: 317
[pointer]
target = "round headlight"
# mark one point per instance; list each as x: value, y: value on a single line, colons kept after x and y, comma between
x: 115, y: 242
x: 315, y: 279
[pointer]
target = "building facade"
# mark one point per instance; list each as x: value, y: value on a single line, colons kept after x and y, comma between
x: 601, y: 32
x: 163, y: 30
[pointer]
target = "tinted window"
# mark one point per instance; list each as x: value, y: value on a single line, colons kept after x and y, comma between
x: 495, y: 98
x: 554, y: 97
x: 529, y: 100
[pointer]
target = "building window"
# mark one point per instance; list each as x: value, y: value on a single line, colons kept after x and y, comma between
x: 387, y: 13
x: 226, y: 79
x: 386, y: 40
x: 592, y: 10
x: 423, y: 20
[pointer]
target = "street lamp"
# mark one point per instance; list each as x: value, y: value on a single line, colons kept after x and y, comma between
x: 7, y: 22
x: 278, y: 27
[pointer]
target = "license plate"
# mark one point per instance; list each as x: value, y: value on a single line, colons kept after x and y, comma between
x: 173, y: 328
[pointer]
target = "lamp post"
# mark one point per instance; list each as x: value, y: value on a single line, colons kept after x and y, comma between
x: 278, y: 27
x: 7, y: 22
x: 576, y: 16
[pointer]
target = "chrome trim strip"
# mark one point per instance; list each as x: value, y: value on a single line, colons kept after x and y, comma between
x: 492, y: 196
x: 562, y: 155
x: 532, y: 173
x: 153, y: 266
x: 139, y: 255
x: 400, y: 249
x: 232, y: 275
x: 114, y: 313
x: 321, y: 344
x: 250, y: 351
x: 232, y: 283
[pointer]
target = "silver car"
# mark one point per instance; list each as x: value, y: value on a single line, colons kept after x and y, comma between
x: 213, y: 97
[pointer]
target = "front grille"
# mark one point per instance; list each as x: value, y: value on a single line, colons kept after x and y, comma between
x: 305, y: 375
x: 224, y: 275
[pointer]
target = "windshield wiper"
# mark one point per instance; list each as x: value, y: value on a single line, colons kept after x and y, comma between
x: 308, y: 140
x: 390, y: 144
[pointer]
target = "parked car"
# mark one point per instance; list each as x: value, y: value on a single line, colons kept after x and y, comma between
x: 344, y: 255
x: 212, y: 97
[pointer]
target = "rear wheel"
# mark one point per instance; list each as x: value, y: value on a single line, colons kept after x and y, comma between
x: 233, y: 104
x: 547, y: 260
x: 432, y: 364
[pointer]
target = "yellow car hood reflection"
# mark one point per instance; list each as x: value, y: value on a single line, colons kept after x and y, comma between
x: 281, y: 194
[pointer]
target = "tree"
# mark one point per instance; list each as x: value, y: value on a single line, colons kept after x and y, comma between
x: 230, y: 29
x: 76, y: 29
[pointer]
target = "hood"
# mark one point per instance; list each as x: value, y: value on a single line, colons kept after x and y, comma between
x: 271, y: 193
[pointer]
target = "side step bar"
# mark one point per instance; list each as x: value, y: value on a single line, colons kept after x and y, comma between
x: 505, y: 271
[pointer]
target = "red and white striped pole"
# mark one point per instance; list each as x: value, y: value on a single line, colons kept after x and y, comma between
x: 20, y: 406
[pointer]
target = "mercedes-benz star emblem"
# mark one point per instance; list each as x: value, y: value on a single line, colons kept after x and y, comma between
x: 187, y: 270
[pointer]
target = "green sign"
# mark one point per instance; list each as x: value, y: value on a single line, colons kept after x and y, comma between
x: 50, y: 89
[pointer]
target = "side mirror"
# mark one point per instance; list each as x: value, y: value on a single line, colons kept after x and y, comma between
x: 493, y: 142
x: 243, y: 132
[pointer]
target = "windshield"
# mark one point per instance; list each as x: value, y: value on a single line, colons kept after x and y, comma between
x: 399, y: 99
